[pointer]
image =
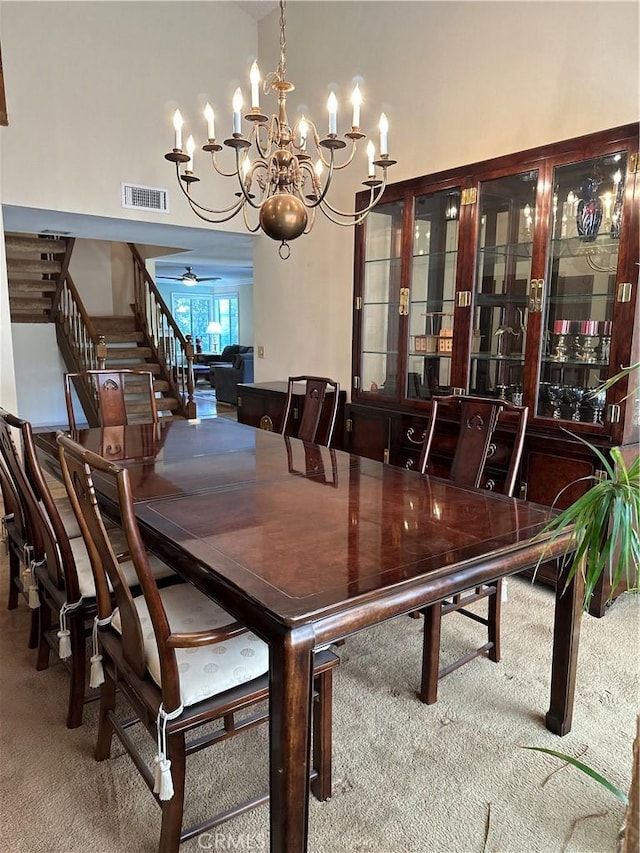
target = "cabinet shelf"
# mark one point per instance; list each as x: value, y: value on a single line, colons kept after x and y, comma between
x: 501, y: 265
x: 507, y: 250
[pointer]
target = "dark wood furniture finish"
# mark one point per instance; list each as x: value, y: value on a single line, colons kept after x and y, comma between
x: 477, y: 443
x: 262, y: 405
x: 477, y: 280
x: 120, y: 394
x: 223, y: 520
x: 125, y: 660
x: 319, y: 405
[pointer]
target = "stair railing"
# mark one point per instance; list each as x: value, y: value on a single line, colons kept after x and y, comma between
x: 173, y: 352
x: 81, y: 347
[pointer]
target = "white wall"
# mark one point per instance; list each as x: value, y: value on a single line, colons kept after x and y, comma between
x: 8, y: 398
x: 90, y: 104
x: 39, y: 374
x: 459, y: 82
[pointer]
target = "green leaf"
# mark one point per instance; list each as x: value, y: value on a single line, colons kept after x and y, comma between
x: 585, y: 769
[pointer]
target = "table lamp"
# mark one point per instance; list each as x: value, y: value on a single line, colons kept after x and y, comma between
x: 214, y: 329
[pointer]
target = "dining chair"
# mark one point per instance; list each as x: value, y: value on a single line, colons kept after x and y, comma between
x: 487, y: 455
x: 17, y: 541
x: 180, y: 660
x: 121, y: 396
x: 319, y: 408
x: 62, y: 592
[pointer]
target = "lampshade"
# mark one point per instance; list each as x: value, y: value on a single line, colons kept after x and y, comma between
x: 214, y: 328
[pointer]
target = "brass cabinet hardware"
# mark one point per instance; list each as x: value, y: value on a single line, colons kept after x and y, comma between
x: 358, y: 303
x: 356, y: 383
x: 403, y: 307
x: 463, y: 299
x: 469, y: 196
x: 536, y: 289
x: 385, y: 456
x: 349, y: 425
x: 634, y: 162
x: 239, y: 402
x: 523, y: 491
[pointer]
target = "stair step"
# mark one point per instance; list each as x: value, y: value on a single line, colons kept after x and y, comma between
x: 28, y: 303
x: 139, y: 386
x: 28, y: 317
x: 28, y: 286
x: 22, y: 244
x: 127, y: 337
x: 163, y: 404
x: 115, y: 364
x: 121, y: 353
x: 109, y: 325
x: 16, y: 266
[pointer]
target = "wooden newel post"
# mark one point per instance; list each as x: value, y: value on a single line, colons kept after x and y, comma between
x: 101, y: 352
x: 191, y: 406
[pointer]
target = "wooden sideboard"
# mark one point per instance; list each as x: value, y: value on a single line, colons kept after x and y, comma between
x: 261, y: 405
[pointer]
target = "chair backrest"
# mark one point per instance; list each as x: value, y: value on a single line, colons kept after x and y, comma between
x: 313, y: 408
x: 476, y: 444
x: 46, y: 533
x: 110, y: 389
x: 77, y: 465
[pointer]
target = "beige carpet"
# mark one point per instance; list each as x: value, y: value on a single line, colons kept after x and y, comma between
x: 407, y: 778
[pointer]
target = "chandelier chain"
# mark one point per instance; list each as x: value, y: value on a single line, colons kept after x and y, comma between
x: 282, y: 65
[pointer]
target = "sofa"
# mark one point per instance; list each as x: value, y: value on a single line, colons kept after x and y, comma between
x: 226, y: 379
x: 227, y: 356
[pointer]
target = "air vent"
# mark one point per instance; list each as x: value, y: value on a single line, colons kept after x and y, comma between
x: 145, y: 198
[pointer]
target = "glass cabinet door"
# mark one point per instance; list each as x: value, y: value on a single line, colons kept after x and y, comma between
x: 579, y: 307
x: 506, y: 217
x: 432, y: 294
x: 380, y: 306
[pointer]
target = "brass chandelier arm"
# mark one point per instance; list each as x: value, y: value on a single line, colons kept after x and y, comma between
x: 232, y: 209
x: 273, y: 134
x: 305, y: 166
x: 194, y: 207
x: 219, y: 170
x: 358, y: 216
x: 251, y: 228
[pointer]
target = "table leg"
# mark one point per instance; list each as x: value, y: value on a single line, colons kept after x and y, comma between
x: 566, y: 636
x: 290, y: 692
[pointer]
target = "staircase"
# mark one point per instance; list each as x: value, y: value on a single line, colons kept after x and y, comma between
x: 42, y: 291
x: 34, y: 265
x: 127, y: 348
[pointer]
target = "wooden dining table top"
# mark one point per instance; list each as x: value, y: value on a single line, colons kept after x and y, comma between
x: 295, y: 541
x: 307, y: 545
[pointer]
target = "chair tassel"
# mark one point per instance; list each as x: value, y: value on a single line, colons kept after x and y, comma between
x: 162, y: 779
x: 64, y: 635
x: 96, y: 673
x: 33, y: 597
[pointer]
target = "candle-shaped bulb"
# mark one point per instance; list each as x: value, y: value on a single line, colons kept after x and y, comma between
x: 191, y: 147
x: 571, y: 197
x: 303, y: 127
x: 177, y: 126
x: 254, y: 76
x: 383, y: 127
x: 237, y: 111
x: 332, y: 106
x: 356, y: 101
x: 371, y: 156
x: 246, y: 165
x: 617, y: 177
x: 208, y: 114
x: 318, y: 169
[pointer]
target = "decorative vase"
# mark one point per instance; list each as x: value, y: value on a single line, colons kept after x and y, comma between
x: 589, y: 213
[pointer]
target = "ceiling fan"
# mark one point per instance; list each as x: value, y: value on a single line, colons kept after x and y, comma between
x: 189, y: 278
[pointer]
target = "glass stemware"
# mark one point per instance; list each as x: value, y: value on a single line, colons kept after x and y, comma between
x: 597, y: 398
x: 555, y: 394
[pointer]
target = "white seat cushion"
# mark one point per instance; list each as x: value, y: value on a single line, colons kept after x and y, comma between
x: 208, y: 670
x: 83, y: 564
x: 69, y: 520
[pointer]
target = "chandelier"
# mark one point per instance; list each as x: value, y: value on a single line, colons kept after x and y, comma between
x: 274, y: 164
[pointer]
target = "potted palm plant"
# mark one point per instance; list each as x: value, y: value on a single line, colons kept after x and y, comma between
x: 606, y: 539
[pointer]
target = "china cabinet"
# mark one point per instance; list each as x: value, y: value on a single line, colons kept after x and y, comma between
x: 514, y: 278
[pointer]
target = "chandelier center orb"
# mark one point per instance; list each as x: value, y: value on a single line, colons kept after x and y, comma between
x: 274, y: 163
x: 283, y: 217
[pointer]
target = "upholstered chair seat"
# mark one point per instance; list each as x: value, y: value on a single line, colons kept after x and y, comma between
x: 86, y: 583
x: 208, y: 670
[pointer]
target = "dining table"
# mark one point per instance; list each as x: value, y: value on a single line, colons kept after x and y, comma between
x: 307, y: 546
